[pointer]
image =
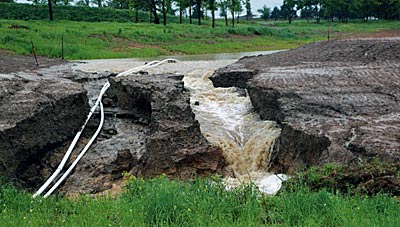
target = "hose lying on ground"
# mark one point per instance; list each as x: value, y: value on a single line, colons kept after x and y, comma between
x: 78, y: 134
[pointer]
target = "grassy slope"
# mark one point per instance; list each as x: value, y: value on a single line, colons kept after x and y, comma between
x: 160, y: 202
x: 85, y: 40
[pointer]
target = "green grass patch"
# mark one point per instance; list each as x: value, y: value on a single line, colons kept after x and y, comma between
x: 200, y: 202
x: 92, y: 40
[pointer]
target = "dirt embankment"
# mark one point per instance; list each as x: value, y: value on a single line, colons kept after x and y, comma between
x: 336, y: 101
x: 149, y: 127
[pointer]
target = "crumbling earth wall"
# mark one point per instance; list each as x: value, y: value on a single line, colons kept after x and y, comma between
x: 36, y: 115
x: 149, y: 129
x: 336, y: 101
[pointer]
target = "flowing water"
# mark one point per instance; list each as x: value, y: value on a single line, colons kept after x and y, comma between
x: 226, y: 115
x: 227, y: 120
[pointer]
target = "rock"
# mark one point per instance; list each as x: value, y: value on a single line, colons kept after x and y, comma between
x: 336, y: 101
x: 36, y: 115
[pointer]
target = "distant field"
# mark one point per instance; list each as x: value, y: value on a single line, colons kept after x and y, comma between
x: 93, y: 40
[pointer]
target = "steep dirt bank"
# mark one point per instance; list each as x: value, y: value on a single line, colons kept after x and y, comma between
x: 336, y: 101
x: 174, y: 144
x: 149, y: 128
x: 36, y: 115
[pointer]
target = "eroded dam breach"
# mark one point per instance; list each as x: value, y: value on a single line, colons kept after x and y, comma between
x: 335, y: 101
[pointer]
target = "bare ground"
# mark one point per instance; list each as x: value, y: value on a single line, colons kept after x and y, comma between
x: 10, y: 62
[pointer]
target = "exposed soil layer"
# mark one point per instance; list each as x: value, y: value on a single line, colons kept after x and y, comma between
x: 10, y: 62
x: 336, y: 101
x: 149, y: 128
x: 174, y: 144
x: 36, y: 115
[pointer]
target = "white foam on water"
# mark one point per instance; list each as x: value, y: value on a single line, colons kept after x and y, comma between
x: 228, y: 121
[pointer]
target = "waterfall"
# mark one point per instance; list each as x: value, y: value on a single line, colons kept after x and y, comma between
x: 228, y: 121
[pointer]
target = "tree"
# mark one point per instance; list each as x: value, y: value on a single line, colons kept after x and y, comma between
x: 369, y: 8
x: 117, y: 4
x: 265, y: 12
x: 190, y: 10
x: 238, y: 9
x: 182, y: 5
x: 390, y: 9
x: 312, y: 9
x: 164, y: 12
x: 212, y: 6
x: 223, y: 8
x: 136, y: 5
x: 87, y: 3
x: 248, y: 9
x: 232, y: 5
x: 153, y: 8
x: 99, y: 3
x: 50, y: 10
x: 290, y: 8
x: 342, y: 9
x: 199, y: 13
x: 275, y: 13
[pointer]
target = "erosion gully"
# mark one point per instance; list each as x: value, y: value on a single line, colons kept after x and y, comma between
x: 225, y: 115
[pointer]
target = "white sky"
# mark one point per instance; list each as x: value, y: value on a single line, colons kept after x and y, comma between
x: 258, y: 4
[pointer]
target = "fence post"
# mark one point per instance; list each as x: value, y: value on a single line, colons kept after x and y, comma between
x: 34, y: 53
x: 62, y: 46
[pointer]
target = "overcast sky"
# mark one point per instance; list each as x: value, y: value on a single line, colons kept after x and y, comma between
x: 258, y: 4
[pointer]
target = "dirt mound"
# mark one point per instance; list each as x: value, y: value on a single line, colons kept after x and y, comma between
x: 347, y: 52
x: 336, y: 101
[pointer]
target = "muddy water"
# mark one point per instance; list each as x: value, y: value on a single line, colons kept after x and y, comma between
x: 227, y: 120
x: 225, y: 114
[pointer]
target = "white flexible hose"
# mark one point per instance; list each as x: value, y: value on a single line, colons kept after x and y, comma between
x: 73, y: 144
x: 83, y: 152
x: 77, y: 136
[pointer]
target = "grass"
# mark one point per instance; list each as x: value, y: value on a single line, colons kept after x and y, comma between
x: 201, y: 202
x: 92, y: 40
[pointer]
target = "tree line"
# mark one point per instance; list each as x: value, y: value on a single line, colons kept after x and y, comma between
x: 232, y: 10
x: 340, y: 10
x: 159, y: 9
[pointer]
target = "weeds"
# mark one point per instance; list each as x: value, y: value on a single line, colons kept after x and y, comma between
x: 85, y: 40
x: 199, y: 202
x: 368, y: 178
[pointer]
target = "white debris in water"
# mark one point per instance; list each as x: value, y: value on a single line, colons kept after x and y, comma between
x: 268, y: 184
x: 272, y: 184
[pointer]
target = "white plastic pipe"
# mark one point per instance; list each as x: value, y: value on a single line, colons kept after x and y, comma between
x: 77, y: 136
x: 83, y: 152
x: 73, y: 144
